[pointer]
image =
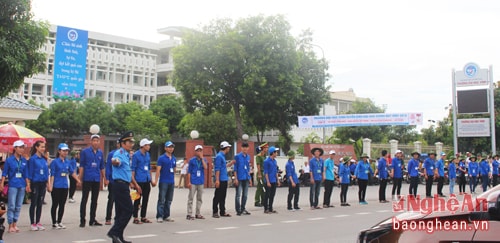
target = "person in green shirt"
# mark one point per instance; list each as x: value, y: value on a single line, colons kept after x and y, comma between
x: 259, y: 160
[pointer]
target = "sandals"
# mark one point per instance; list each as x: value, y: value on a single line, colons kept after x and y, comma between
x: 225, y: 215
x: 136, y: 221
x: 199, y: 216
x: 145, y: 220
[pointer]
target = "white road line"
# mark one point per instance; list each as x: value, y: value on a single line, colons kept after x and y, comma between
x: 383, y: 211
x: 188, y: 232
x: 340, y: 216
x: 90, y: 241
x: 226, y: 228
x: 290, y: 221
x: 140, y: 236
x: 311, y: 219
x: 263, y: 224
x: 363, y: 213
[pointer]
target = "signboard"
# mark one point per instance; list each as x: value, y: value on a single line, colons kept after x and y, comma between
x: 70, y: 63
x: 354, y: 120
x: 472, y: 75
x: 478, y: 127
x: 472, y: 101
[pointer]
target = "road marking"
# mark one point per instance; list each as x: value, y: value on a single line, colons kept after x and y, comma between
x: 311, y: 219
x: 340, y: 216
x: 363, y: 213
x: 263, y: 224
x: 290, y: 221
x: 141, y: 236
x: 89, y: 241
x: 226, y: 228
x: 383, y: 211
x: 188, y: 232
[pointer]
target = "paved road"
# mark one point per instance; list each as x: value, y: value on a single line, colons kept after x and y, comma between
x: 339, y: 224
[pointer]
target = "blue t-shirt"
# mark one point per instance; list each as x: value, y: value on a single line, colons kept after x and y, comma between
x: 440, y: 167
x: 242, y: 166
x: 363, y: 169
x: 316, y: 166
x: 196, y: 171
x: 352, y: 168
x: 429, y: 166
x: 38, y: 170
x: 122, y: 171
x: 290, y: 171
x: 484, y: 168
x: 397, y: 166
x: 494, y: 164
x: 60, y: 171
x: 92, y: 164
x: 141, y: 165
x: 461, y: 165
x: 167, y: 170
x: 344, y: 174
x: 329, y: 168
x: 413, y: 167
x: 382, y: 169
x: 16, y: 171
x: 220, y: 165
x: 473, y: 168
x: 452, y: 171
x: 271, y: 169
x: 109, y: 166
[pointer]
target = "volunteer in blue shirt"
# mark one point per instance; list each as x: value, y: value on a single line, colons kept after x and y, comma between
x: 440, y: 174
x: 316, y: 175
x: 413, y: 173
x: 38, y: 177
x: 485, y: 171
x: 452, y: 174
x: 165, y: 170
x: 430, y: 173
x: 382, y: 173
x: 473, y: 174
x: 122, y: 181
x: 196, y: 179
x: 461, y: 171
x: 220, y: 168
x: 362, y: 172
x: 345, y: 180
x: 270, y: 179
x: 396, y: 169
x: 91, y: 171
x: 109, y: 182
x: 141, y: 174
x: 329, y: 176
x: 242, y: 179
x: 16, y: 170
x: 293, y: 183
x: 494, y: 171
x: 60, y: 170
x: 75, y: 163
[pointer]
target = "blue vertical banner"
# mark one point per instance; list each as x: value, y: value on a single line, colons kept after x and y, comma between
x: 70, y: 63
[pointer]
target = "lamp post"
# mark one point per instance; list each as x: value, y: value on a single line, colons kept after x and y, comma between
x: 322, y: 58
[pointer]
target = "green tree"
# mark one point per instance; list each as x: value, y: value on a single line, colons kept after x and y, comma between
x: 43, y: 125
x: 95, y: 111
x: 145, y: 124
x: 66, y: 119
x: 121, y: 112
x: 171, y: 109
x: 21, y: 39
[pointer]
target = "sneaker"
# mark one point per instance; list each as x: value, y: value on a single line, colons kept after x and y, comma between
x: 290, y: 209
x: 215, y: 215
x: 159, y: 220
x: 61, y: 226
x: 297, y: 208
x: 71, y: 200
x: 82, y: 225
x: 95, y: 223
x: 55, y: 226
x: 245, y: 212
x: 364, y: 203
x: 347, y: 204
x: 34, y: 227
x: 40, y: 226
x: 169, y: 220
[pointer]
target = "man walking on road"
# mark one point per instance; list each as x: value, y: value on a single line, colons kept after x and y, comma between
x: 316, y: 166
x: 242, y: 179
x: 397, y: 175
x: 165, y: 170
x: 141, y: 174
x: 220, y: 168
x: 381, y: 171
x: 429, y: 173
x: 196, y: 179
x: 329, y: 175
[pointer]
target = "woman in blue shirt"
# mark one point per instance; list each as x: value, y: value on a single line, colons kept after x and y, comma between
x: 15, y: 169
x: 452, y: 174
x: 345, y: 180
x: 473, y: 174
x: 60, y: 170
x: 461, y: 171
x: 362, y: 173
x: 38, y: 176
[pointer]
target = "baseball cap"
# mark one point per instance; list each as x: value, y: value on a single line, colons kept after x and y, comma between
x: 169, y: 143
x: 273, y: 149
x: 224, y: 144
x: 331, y: 152
x: 18, y: 143
x: 94, y: 136
x: 198, y: 147
x: 398, y: 151
x: 63, y: 146
x: 145, y: 141
x: 443, y: 153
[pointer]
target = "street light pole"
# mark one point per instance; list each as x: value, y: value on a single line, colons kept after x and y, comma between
x: 323, y: 59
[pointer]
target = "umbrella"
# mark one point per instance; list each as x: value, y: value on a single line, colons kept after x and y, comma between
x: 9, y: 133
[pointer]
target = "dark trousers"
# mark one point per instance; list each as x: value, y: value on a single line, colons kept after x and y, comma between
x: 473, y: 183
x: 269, y: 197
x: 293, y: 193
x: 123, y: 207
x: 461, y: 183
x: 343, y: 192
x: 396, y: 186
x: 38, y: 190
x: 72, y: 187
x: 59, y: 196
x: 428, y: 186
x: 219, y: 201
x: 495, y: 180
x: 87, y: 187
x: 414, y: 180
x: 111, y: 200
x: 362, y: 189
x: 440, y: 185
x: 485, y: 181
x: 328, y: 192
x: 381, y: 189
x: 314, y: 190
x: 146, y: 188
